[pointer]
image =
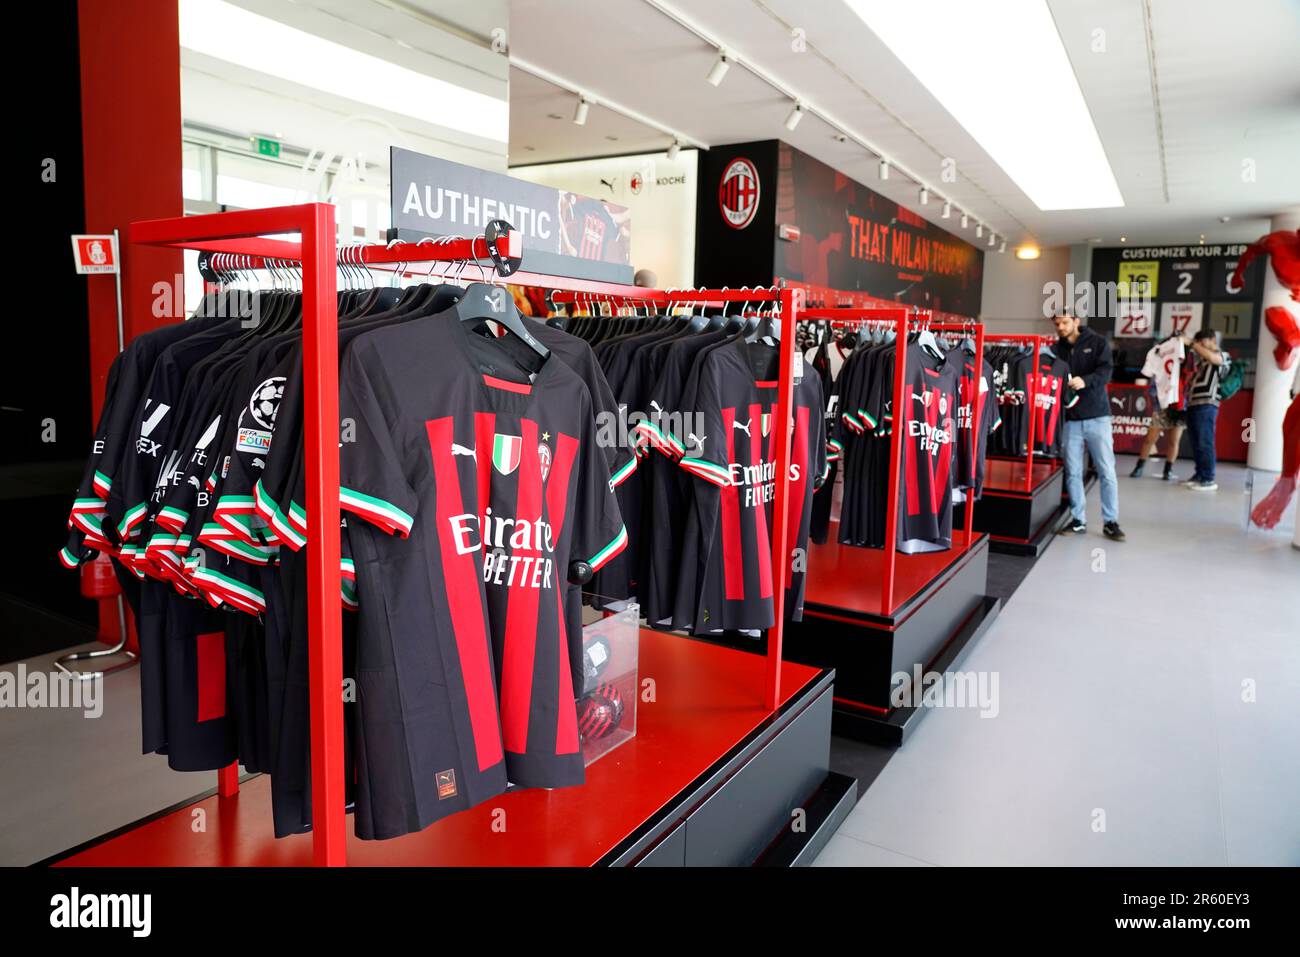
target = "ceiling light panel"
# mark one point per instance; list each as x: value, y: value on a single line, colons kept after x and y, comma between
x: 232, y: 34
x: 1020, y: 85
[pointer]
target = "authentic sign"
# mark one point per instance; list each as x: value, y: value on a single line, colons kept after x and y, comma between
x: 564, y: 234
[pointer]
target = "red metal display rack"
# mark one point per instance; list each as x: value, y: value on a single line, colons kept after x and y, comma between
x: 901, y: 320
x: 243, y: 233
x: 1037, y: 342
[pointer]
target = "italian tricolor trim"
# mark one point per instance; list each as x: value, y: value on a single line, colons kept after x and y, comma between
x: 603, y: 556
x: 133, y: 517
x: 102, y: 484
x: 707, y: 471
x: 67, y: 559
x: 275, y: 519
x: 621, y: 475
x: 376, y: 511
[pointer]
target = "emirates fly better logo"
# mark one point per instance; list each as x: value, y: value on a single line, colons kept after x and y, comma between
x: 738, y: 193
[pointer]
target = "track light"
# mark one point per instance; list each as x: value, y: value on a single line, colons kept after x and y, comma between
x: 720, y: 67
x: 674, y: 150
x: 884, y: 169
x: 965, y: 220
x: 947, y: 209
x: 580, y: 111
x: 979, y: 230
x: 924, y: 196
x: 993, y: 238
x: 1003, y: 247
x: 793, y: 119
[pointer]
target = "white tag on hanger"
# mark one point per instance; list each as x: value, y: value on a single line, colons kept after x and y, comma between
x: 798, y: 367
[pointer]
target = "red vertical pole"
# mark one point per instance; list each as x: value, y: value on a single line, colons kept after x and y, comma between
x: 897, y: 425
x: 1033, y: 416
x: 976, y: 407
x: 320, y: 363
x: 228, y: 780
x: 782, y: 422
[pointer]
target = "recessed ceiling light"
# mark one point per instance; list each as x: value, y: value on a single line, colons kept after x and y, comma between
x: 1020, y: 49
x: 530, y: 149
x: 841, y: 138
x: 1225, y: 219
x: 1123, y: 239
x: 554, y: 116
x: 612, y: 139
x: 1096, y: 239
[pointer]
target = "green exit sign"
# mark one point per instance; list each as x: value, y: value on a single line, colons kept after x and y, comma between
x: 267, y: 147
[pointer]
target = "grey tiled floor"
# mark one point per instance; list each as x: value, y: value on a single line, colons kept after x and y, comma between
x: 1123, y: 735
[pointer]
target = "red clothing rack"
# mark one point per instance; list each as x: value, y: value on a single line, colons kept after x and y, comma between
x: 243, y: 233
x: 903, y: 319
x: 1037, y: 342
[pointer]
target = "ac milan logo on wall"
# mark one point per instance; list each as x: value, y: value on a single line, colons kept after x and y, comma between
x: 738, y: 193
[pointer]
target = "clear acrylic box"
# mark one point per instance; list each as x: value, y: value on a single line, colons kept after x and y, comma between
x: 607, y: 704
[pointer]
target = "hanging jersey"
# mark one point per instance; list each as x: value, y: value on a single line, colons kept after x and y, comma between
x: 1163, y: 365
x: 497, y: 486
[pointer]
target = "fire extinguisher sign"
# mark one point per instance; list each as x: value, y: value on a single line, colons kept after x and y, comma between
x: 95, y: 254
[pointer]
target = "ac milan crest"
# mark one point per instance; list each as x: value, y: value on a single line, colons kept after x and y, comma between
x: 738, y: 193
x: 544, y: 459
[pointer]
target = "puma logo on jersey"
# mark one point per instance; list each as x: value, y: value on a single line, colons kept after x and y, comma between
x: 743, y: 427
x: 695, y: 442
x: 193, y: 480
x: 655, y: 405
x: 461, y: 450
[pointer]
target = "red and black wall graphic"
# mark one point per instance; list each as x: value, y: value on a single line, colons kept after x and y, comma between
x: 842, y: 236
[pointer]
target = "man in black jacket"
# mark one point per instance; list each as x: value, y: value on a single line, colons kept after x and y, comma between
x: 1087, y: 423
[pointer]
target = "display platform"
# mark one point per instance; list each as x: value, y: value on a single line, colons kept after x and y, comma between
x: 1018, y: 520
x: 940, y: 606
x: 711, y: 778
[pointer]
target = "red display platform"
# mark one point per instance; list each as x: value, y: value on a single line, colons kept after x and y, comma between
x: 708, y: 701
x: 849, y: 578
x: 1007, y: 476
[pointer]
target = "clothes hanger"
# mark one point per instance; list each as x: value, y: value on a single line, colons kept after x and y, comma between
x: 487, y: 302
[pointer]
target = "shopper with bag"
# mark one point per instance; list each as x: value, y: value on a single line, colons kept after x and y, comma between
x: 1087, y: 424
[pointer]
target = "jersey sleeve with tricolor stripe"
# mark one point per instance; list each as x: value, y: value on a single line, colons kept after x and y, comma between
x: 372, y: 485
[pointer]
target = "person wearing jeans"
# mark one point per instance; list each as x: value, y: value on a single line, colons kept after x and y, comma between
x: 1087, y: 424
x: 1207, y: 363
x: 1093, y: 434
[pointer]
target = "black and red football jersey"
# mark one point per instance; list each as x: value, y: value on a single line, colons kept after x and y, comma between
x: 1046, y: 396
x: 978, y: 410
x: 929, y: 422
x: 730, y: 446
x: 479, y: 489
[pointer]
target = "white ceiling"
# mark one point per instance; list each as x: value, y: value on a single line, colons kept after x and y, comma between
x: 1228, y: 91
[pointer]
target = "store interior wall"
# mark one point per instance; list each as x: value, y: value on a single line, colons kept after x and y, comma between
x: 660, y: 194
x: 1015, y: 290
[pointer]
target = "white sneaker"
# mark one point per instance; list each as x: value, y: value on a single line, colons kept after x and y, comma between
x: 1203, y: 486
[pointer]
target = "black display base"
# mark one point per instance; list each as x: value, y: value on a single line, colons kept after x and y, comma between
x: 742, y: 811
x: 868, y: 649
x: 826, y: 811
x: 1016, y: 520
x: 892, y: 729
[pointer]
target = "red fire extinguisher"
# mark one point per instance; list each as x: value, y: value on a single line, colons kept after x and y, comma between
x: 97, y: 578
